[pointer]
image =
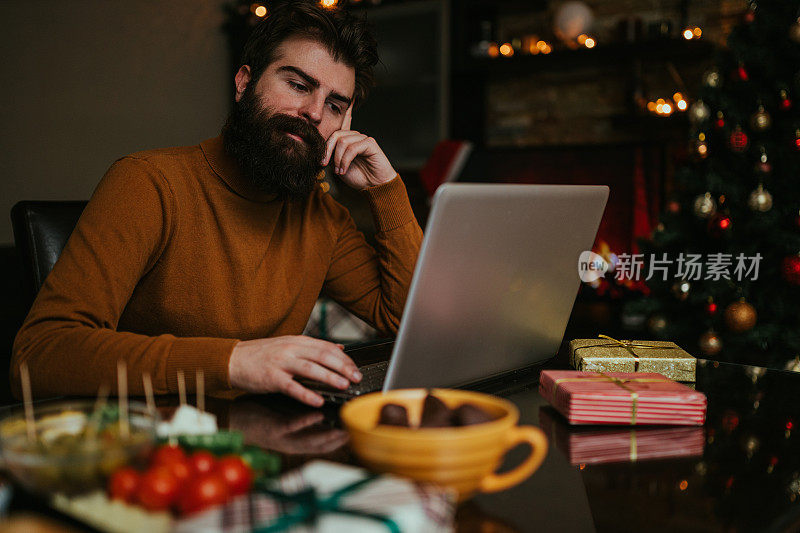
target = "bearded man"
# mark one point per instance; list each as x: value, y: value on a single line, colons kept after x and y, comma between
x: 211, y: 257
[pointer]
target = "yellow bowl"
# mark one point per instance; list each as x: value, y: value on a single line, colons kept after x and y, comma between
x: 461, y: 458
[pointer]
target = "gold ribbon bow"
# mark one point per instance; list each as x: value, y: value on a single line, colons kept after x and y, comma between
x: 629, y: 346
x: 616, y: 381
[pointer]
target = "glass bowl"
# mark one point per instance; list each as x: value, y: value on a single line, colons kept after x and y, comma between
x: 76, y: 447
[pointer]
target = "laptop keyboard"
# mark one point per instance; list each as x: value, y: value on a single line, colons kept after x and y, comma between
x: 373, y: 376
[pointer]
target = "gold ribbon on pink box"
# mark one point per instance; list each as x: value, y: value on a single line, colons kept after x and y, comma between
x: 616, y: 381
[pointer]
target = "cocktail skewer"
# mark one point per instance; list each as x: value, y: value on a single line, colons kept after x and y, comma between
x: 27, y: 398
x: 200, y: 384
x: 181, y: 388
x: 122, y: 390
x: 148, y: 393
x: 94, y: 420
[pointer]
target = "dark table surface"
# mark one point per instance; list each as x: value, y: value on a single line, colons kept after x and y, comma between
x: 740, y: 472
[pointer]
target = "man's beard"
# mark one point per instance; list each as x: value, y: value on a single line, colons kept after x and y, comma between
x: 269, y: 158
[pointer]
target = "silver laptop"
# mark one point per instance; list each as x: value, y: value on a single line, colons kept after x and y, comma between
x: 493, y: 287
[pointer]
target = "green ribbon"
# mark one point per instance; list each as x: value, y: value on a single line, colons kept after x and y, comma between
x: 308, y: 506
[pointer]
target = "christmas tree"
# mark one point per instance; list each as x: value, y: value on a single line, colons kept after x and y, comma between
x: 724, y: 262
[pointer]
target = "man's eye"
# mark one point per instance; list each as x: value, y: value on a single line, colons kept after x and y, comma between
x: 335, y: 108
x: 298, y: 86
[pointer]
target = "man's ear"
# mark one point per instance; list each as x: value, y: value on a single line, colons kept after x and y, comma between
x: 241, y: 80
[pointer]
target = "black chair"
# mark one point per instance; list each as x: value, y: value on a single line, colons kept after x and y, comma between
x: 41, y: 229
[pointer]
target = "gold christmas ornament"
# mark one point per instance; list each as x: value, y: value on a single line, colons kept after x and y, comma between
x: 681, y: 290
x: 751, y: 445
x: 761, y: 120
x: 701, y: 149
x: 699, y: 112
x: 705, y: 206
x: 712, y: 78
x: 740, y: 316
x: 760, y: 199
x: 710, y: 343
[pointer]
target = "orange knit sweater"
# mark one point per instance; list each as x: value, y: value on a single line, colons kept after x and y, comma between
x: 177, y: 257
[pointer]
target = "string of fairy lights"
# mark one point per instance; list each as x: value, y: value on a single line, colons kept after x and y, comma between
x: 527, y: 45
x: 261, y: 11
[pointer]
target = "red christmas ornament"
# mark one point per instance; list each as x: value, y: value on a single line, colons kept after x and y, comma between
x: 739, y: 140
x: 720, y: 122
x: 711, y: 308
x: 719, y: 225
x: 786, y: 102
x: 791, y: 269
x: 750, y: 16
x: 742, y: 72
x: 730, y: 420
x: 675, y: 207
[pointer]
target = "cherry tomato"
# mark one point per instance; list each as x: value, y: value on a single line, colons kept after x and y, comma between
x: 158, y: 489
x: 180, y: 469
x: 167, y: 453
x: 202, y: 492
x: 201, y: 462
x: 123, y: 483
x: 236, y: 474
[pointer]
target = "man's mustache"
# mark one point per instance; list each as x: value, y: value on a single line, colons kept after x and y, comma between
x: 297, y: 126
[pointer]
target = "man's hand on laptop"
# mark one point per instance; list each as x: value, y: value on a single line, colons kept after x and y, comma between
x: 270, y: 365
x: 356, y: 158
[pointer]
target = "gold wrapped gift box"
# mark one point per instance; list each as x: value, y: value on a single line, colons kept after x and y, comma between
x: 610, y: 355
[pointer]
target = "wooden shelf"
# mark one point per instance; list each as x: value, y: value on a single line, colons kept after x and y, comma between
x: 624, y: 53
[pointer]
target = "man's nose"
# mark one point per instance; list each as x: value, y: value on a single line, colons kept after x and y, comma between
x: 312, y: 109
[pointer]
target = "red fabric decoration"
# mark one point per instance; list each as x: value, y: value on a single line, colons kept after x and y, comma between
x: 444, y: 164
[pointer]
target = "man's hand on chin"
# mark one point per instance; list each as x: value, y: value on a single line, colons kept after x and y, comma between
x: 356, y: 158
x: 270, y: 365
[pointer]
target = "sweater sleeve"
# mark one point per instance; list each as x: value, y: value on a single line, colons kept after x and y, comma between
x: 373, y: 284
x: 69, y: 339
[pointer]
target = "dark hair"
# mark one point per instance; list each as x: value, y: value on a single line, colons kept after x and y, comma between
x: 348, y: 39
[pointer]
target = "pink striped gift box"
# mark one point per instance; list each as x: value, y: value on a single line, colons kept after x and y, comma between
x: 622, y: 398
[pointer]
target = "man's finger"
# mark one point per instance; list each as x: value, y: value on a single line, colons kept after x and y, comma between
x: 345, y: 143
x: 350, y: 153
x: 312, y: 370
x: 330, y: 355
x: 348, y: 117
x: 292, y: 388
x: 333, y: 140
